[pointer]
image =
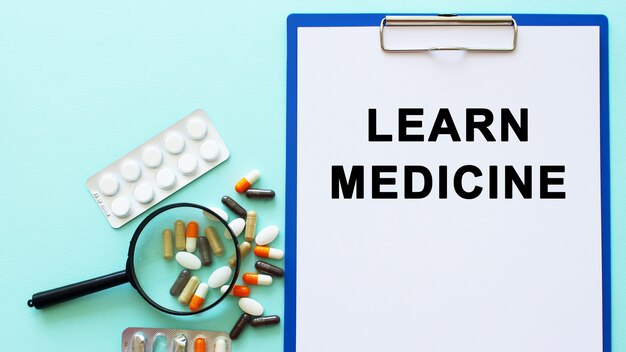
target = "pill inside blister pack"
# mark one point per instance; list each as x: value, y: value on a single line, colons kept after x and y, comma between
x: 176, y: 340
x: 157, y: 168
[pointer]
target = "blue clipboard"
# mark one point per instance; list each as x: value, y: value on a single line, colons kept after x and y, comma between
x: 296, y: 21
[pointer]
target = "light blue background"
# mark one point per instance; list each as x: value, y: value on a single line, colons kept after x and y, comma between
x: 82, y: 83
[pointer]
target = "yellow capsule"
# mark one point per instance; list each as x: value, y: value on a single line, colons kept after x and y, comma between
x: 250, y: 225
x: 244, y: 248
x: 179, y: 235
x: 168, y: 250
x: 189, y: 290
x: 214, y: 241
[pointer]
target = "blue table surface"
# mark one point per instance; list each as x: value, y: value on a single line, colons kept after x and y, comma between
x: 83, y: 83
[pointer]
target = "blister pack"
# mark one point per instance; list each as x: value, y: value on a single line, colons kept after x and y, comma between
x: 176, y: 340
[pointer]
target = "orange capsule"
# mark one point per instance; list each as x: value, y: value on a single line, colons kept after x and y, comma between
x: 198, y: 297
x: 199, y: 345
x: 191, y: 236
x: 268, y: 252
x: 238, y: 290
x: 247, y: 181
x: 257, y: 279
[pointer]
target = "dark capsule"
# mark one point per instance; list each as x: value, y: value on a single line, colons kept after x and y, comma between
x: 260, y: 193
x: 180, y: 282
x: 239, y: 325
x: 205, y: 251
x: 234, y: 206
x: 265, y: 321
x: 269, y: 269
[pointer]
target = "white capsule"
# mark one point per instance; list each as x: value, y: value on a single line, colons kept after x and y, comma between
x: 267, y: 235
x: 236, y: 226
x: 190, y: 244
x: 188, y: 260
x: 221, y: 213
x: 220, y: 344
x: 250, y: 306
x: 220, y: 276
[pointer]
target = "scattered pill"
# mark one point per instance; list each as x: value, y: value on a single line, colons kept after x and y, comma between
x: 152, y: 157
x: 174, y: 143
x: 199, y: 345
x: 180, y: 283
x: 187, y: 164
x: 191, y: 236
x: 179, y: 343
x: 210, y: 151
x: 179, y: 235
x: 160, y: 343
x: 205, y: 251
x: 250, y: 226
x: 198, y: 297
x: 260, y: 193
x: 168, y: 249
x: 265, y: 321
x: 268, y: 252
x: 267, y: 235
x: 250, y: 306
x: 188, y: 260
x: 139, y: 342
x: 166, y: 179
x: 130, y: 171
x: 196, y: 129
x: 108, y: 185
x: 219, y: 345
x: 240, y: 324
x: 219, y: 212
x: 244, y: 248
x: 269, y: 269
x: 189, y: 290
x: 144, y: 193
x: 220, y: 276
x: 257, y: 279
x: 247, y: 181
x: 237, y: 291
x: 234, y: 206
x: 236, y: 227
x: 214, y: 241
x: 120, y: 207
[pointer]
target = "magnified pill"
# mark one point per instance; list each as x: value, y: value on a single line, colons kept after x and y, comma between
x: 250, y: 226
x: 180, y: 283
x: 152, y: 157
x: 205, y: 251
x: 250, y: 306
x: 160, y: 343
x: 108, y: 185
x: 240, y: 324
x: 188, y: 260
x: 237, y: 291
x: 269, y: 269
x: 267, y: 235
x: 168, y: 249
x: 264, y: 321
x: 257, y: 279
x: 219, y: 345
x: 210, y: 150
x: 234, y: 206
x: 180, y: 343
x: 120, y: 207
x: 214, y: 241
x: 187, y: 164
x: 244, y: 248
x: 189, y: 290
x: 221, y: 213
x: 260, y: 193
x: 196, y: 129
x: 199, y: 345
x: 191, y: 236
x: 166, y: 179
x: 198, y: 297
x: 139, y: 342
x: 144, y: 193
x: 179, y: 235
x: 236, y: 227
x: 174, y: 143
x: 220, y: 276
x: 247, y: 181
x: 268, y: 252
x: 130, y: 171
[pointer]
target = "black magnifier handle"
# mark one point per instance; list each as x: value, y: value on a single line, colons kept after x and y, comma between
x: 61, y: 294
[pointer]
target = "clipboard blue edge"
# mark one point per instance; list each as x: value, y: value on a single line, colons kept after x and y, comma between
x: 294, y: 21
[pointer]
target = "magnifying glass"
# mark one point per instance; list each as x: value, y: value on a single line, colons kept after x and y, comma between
x: 153, y: 276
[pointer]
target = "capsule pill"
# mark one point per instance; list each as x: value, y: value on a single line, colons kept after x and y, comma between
x: 250, y: 306
x: 189, y: 290
x: 205, y: 251
x: 265, y: 321
x: 257, y: 279
x: 236, y: 226
x: 268, y: 252
x: 250, y: 226
x: 234, y: 206
x: 179, y: 235
x: 240, y: 324
x: 168, y: 249
x: 247, y: 181
x: 198, y: 297
x: 139, y: 342
x: 214, y: 241
x: 269, y: 269
x: 244, y: 248
x: 219, y: 345
x: 180, y: 283
x: 260, y: 193
x: 267, y: 235
x: 179, y: 343
x: 237, y: 291
x: 220, y: 276
x: 191, y: 236
x: 199, y: 345
x: 188, y: 260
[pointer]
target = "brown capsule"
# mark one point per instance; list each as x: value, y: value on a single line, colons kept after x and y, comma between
x: 269, y: 269
x: 265, y: 321
x: 179, y: 235
x: 214, y: 241
x: 260, y: 193
x: 250, y: 226
x: 244, y: 248
x: 180, y: 283
x: 168, y: 250
x: 234, y: 206
x: 205, y: 251
x: 239, y: 325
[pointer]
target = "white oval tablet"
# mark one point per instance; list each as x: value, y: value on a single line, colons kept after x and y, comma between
x: 144, y: 193
x: 221, y: 213
x: 120, y: 207
x: 250, y: 306
x: 152, y: 157
x: 236, y: 226
x: 166, y: 179
x: 196, y: 129
x: 209, y: 150
x: 174, y: 143
x: 220, y: 276
x: 188, y: 260
x: 267, y: 235
x: 187, y: 164
x: 130, y: 171
x: 108, y: 185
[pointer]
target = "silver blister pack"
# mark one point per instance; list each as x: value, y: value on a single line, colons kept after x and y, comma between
x: 168, y: 340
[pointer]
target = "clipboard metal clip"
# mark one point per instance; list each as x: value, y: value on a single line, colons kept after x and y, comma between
x: 447, y: 20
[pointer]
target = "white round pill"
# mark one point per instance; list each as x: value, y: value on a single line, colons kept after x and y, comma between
x: 221, y: 213
x: 250, y: 306
x: 209, y: 150
x: 144, y: 193
x: 220, y: 276
x: 188, y: 260
x: 174, y: 143
x: 187, y: 164
x: 120, y: 207
x: 108, y: 185
x: 130, y: 171
x: 166, y: 179
x: 267, y: 235
x: 196, y: 129
x: 236, y: 226
x: 152, y: 157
